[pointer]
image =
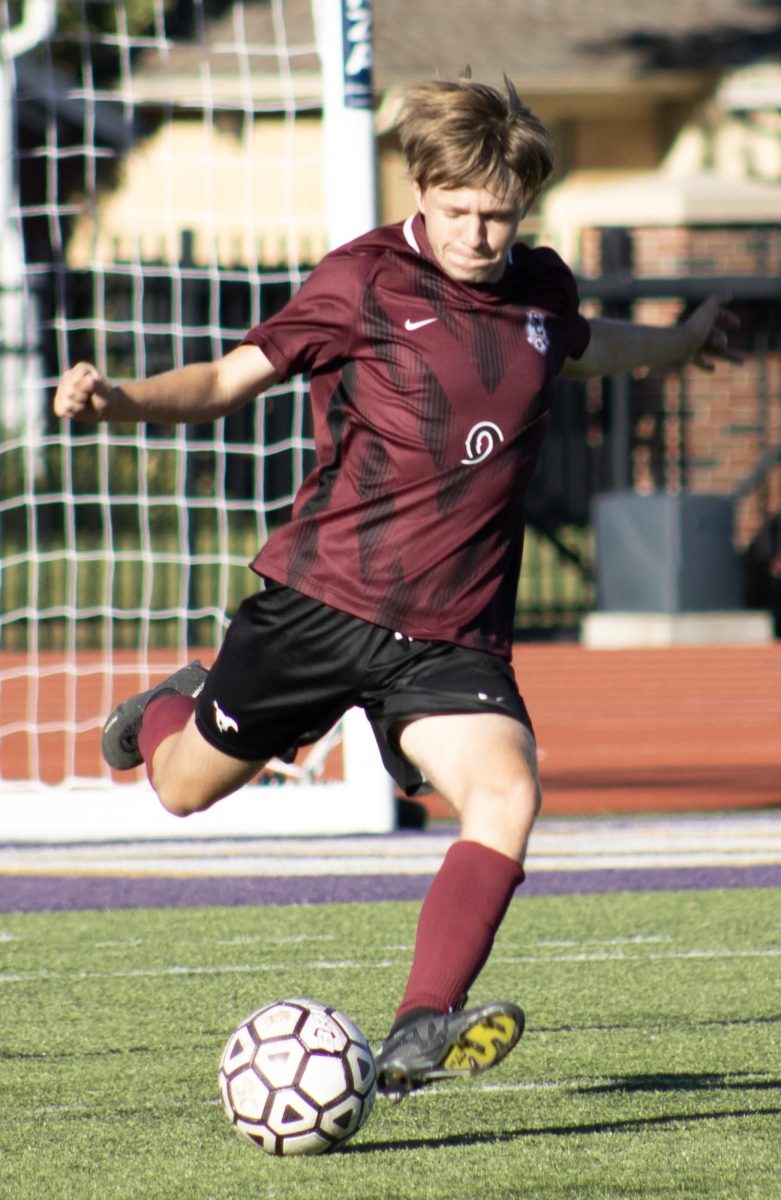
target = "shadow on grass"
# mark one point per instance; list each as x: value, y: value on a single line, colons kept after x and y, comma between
x: 636, y: 1125
x: 705, y: 1023
x: 679, y: 1082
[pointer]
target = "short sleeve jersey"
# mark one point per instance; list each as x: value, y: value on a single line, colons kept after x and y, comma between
x: 430, y: 401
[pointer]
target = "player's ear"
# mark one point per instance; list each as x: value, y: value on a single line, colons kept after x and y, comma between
x: 420, y: 196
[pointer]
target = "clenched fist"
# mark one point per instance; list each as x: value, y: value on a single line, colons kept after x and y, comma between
x: 83, y: 394
x: 710, y: 326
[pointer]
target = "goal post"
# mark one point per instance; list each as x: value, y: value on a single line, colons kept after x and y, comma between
x: 344, y: 33
x: 169, y: 185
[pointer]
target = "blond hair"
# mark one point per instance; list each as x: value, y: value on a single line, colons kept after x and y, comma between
x: 460, y: 133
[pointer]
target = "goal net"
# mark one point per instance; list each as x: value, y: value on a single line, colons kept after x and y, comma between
x: 162, y: 192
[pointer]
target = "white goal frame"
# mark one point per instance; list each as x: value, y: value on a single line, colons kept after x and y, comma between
x: 87, y: 811
x: 299, y: 802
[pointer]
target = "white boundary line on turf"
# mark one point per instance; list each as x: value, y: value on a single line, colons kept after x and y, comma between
x: 451, y: 1086
x: 585, y: 1081
x: 365, y: 964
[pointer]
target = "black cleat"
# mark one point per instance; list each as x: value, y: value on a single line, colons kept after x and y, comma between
x: 120, y: 733
x: 445, y: 1046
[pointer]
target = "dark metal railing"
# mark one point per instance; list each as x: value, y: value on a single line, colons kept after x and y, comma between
x: 592, y: 445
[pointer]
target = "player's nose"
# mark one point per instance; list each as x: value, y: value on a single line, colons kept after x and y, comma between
x: 473, y: 230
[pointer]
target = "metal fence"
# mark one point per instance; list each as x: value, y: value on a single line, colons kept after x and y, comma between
x: 621, y: 432
x: 678, y: 432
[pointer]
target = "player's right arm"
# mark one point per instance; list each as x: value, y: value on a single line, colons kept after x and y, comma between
x: 195, y: 393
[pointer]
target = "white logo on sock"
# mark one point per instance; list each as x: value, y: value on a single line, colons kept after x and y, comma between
x: 223, y: 721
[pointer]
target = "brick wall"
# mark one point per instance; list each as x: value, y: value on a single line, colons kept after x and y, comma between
x: 706, y: 431
x: 694, y: 250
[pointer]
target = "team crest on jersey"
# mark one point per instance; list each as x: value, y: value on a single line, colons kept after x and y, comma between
x: 536, y: 333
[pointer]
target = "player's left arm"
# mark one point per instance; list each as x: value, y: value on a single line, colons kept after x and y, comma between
x: 618, y: 346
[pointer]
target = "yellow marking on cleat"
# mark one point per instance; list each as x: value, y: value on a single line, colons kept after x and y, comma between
x: 482, y: 1045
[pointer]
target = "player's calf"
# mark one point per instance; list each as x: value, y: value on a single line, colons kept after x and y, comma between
x: 120, y: 733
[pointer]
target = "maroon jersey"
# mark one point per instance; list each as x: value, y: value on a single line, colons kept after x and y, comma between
x: 430, y: 402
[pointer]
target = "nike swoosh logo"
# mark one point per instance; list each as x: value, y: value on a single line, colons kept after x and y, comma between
x: 413, y: 325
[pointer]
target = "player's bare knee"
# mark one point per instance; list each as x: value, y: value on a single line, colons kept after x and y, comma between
x: 523, y: 798
x: 533, y: 787
x: 181, y: 800
x: 514, y: 802
x: 537, y: 795
x: 173, y: 804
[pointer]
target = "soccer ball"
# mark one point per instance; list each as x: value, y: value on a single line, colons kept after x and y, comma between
x: 297, y: 1077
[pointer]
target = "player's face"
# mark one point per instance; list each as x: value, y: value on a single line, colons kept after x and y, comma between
x: 470, y: 229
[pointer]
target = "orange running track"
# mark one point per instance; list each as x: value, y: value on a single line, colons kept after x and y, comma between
x: 618, y: 731
x: 632, y: 730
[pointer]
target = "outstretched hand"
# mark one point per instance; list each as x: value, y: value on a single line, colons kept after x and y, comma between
x: 709, y: 327
x: 83, y: 394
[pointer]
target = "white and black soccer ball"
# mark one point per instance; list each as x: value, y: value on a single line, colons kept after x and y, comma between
x: 297, y: 1077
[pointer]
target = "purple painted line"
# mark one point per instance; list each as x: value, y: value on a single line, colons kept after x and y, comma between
x: 652, y: 879
x: 55, y: 893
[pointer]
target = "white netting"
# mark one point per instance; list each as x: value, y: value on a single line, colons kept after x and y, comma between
x: 161, y: 194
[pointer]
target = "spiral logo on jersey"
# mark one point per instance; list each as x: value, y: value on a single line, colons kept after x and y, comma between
x: 480, y: 441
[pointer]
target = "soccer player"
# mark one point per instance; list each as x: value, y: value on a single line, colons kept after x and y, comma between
x: 432, y: 347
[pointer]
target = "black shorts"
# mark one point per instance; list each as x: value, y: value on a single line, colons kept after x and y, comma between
x: 290, y: 667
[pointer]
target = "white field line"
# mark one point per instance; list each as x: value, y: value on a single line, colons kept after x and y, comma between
x: 585, y: 1081
x: 605, y: 956
x: 376, y: 964
x: 185, y: 969
x: 239, y: 940
x: 469, y: 1086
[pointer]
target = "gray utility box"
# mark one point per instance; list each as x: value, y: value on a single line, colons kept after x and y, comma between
x: 666, y: 554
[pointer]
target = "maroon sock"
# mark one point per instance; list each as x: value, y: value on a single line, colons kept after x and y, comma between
x: 457, y: 925
x: 163, y: 716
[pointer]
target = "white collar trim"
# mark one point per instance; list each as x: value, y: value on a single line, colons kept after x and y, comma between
x: 412, y: 241
x: 409, y: 235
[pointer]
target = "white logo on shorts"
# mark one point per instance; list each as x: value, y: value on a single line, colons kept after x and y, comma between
x: 224, y: 722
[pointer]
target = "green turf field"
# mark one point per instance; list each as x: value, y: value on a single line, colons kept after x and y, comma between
x: 650, y: 1066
